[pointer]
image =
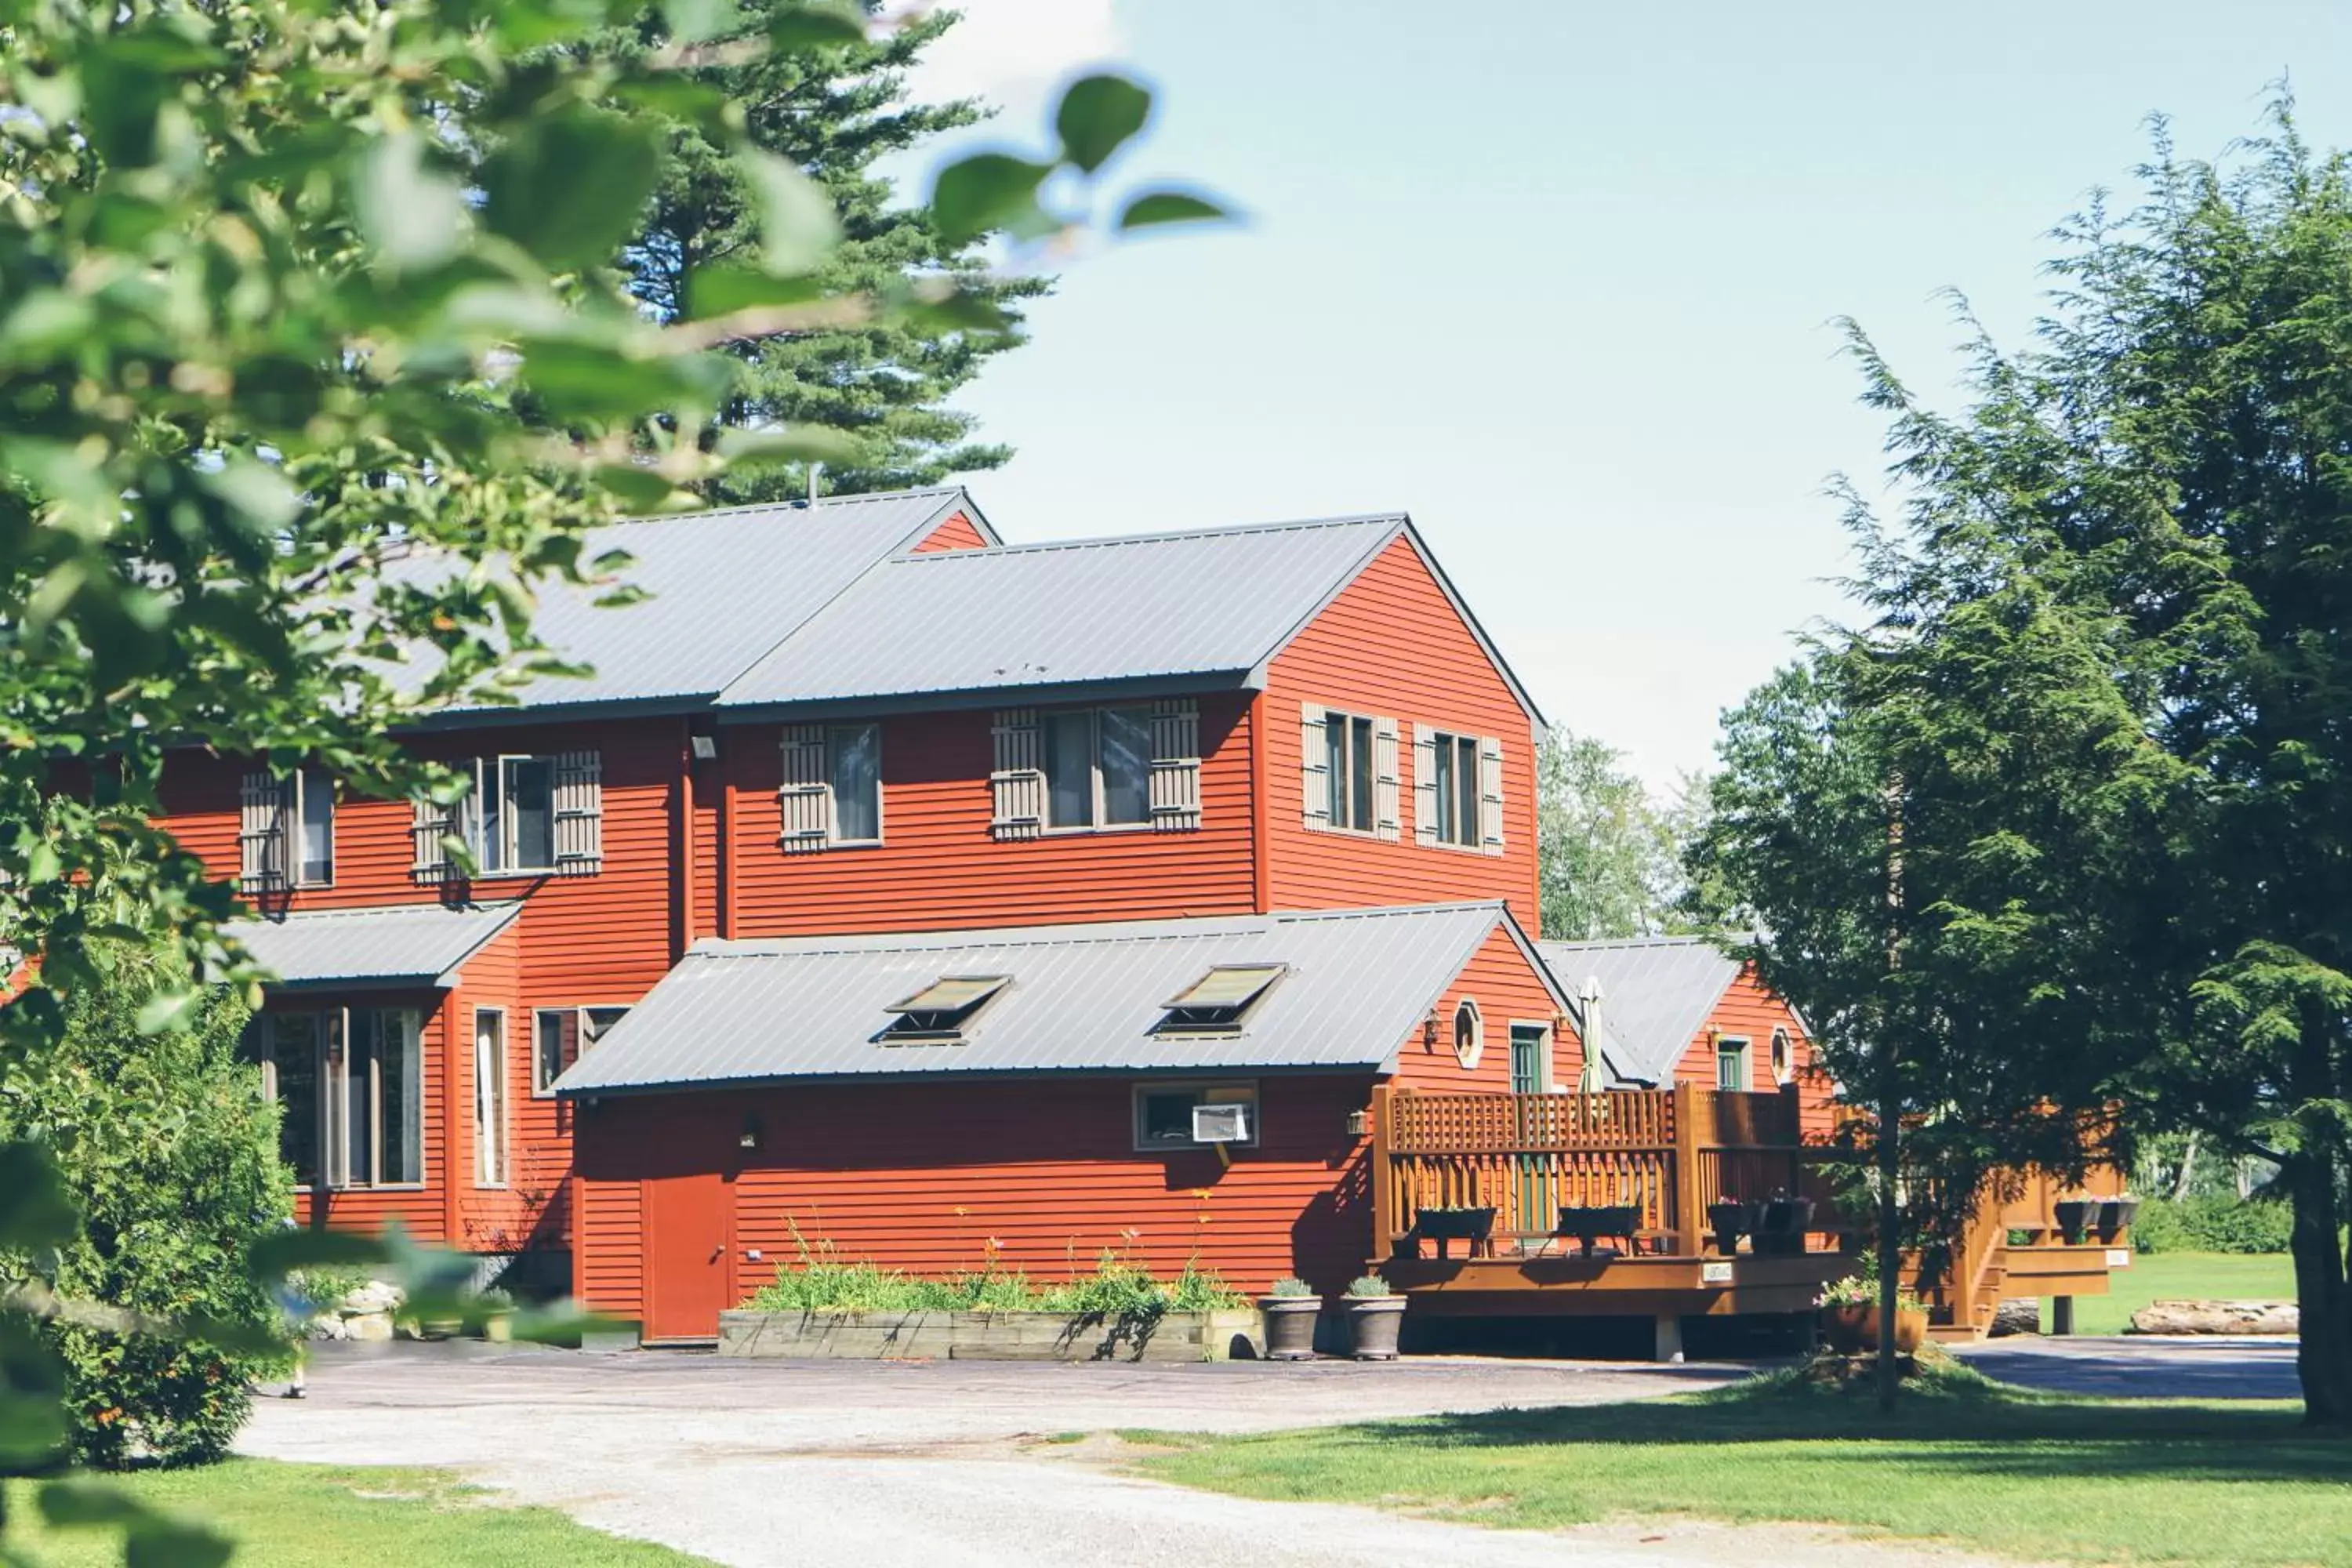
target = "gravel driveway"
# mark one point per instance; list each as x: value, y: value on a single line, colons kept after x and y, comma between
x: 864, y: 1464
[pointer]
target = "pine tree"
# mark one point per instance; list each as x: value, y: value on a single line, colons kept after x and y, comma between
x: 835, y: 114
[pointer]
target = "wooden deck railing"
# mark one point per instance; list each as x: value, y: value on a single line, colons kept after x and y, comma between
x: 1667, y: 1152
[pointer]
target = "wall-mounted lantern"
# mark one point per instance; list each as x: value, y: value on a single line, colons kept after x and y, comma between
x: 1360, y: 1123
x: 750, y: 1138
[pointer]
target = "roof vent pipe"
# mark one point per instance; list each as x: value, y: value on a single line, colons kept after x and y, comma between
x: 813, y: 467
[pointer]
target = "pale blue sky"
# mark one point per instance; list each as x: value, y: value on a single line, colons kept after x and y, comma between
x: 1555, y: 278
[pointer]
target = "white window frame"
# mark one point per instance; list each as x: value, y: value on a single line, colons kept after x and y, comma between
x: 1784, y: 1055
x: 493, y: 1105
x: 587, y: 1029
x: 1446, y: 746
x: 299, y: 788
x: 1047, y: 720
x: 1477, y: 1046
x: 1241, y: 1092
x: 332, y: 1139
x: 1548, y: 1066
x: 1739, y: 1047
x: 1339, y: 786
x: 834, y: 838
x: 490, y: 771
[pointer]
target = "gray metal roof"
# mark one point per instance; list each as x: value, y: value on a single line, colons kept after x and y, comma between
x: 1655, y: 993
x: 726, y: 587
x: 1082, y: 998
x: 421, y: 945
x: 1214, y: 601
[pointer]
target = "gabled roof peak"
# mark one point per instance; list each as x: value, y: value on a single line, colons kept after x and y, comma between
x: 1165, y: 536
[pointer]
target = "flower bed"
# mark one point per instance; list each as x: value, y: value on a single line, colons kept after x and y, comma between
x: 1220, y: 1334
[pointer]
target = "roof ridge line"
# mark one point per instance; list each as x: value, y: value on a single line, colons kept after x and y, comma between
x: 802, y: 505
x: 422, y: 906
x: 1101, y: 541
x: 1074, y: 932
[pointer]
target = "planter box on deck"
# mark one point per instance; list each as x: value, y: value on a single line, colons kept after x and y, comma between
x: 992, y: 1336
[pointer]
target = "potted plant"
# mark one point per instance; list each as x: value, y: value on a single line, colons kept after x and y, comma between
x: 1848, y: 1317
x: 1780, y: 1229
x: 1443, y: 1226
x: 1587, y: 1224
x: 497, y: 1316
x: 1291, y: 1311
x: 2115, y: 1213
x: 1731, y: 1221
x: 1375, y: 1314
x: 2076, y: 1216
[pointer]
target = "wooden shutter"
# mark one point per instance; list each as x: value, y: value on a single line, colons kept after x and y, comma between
x: 428, y: 825
x: 261, y: 832
x: 1314, y: 766
x: 578, y: 812
x: 805, y: 798
x: 1175, y: 764
x: 1490, y: 795
x: 1424, y: 785
x: 1018, y: 782
x: 1385, y: 779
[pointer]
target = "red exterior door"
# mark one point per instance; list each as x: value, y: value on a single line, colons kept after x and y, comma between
x: 687, y: 1256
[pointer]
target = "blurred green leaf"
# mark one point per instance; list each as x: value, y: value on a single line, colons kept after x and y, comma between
x: 641, y: 489
x: 795, y: 444
x: 692, y: 21
x: 35, y: 1210
x: 986, y: 191
x: 723, y: 290
x: 798, y: 225
x: 256, y: 492
x: 414, y: 215
x: 1156, y: 207
x: 168, y: 1009
x: 798, y: 28
x: 279, y: 1254
x: 1097, y: 115
x: 568, y: 188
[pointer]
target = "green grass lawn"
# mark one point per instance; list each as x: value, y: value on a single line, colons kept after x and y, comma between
x: 1991, y: 1469
x: 2171, y: 1276
x: 301, y: 1516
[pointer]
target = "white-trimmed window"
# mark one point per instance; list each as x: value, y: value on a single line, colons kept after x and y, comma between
x: 560, y: 1034
x: 1349, y: 771
x: 286, y: 831
x: 350, y: 1083
x: 1097, y: 767
x: 832, y: 789
x: 491, y: 1132
x: 1457, y: 790
x: 1164, y: 1113
x: 1731, y: 1062
x: 1469, y: 1034
x: 522, y: 815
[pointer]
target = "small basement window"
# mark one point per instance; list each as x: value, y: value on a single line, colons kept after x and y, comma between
x: 939, y: 1012
x: 1165, y: 1115
x: 1219, y: 1002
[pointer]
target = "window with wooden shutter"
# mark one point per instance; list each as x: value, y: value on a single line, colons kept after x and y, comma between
x: 1425, y: 816
x: 1313, y: 766
x: 262, y: 832
x: 804, y: 798
x: 430, y: 827
x: 1018, y: 781
x: 1384, y: 780
x: 1175, y: 764
x: 1490, y: 795
x: 578, y: 812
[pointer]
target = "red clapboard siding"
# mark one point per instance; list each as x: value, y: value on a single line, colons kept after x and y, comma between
x: 1747, y: 1009
x: 1391, y: 646
x: 957, y: 532
x: 923, y: 1176
x: 938, y: 868
x: 1507, y: 989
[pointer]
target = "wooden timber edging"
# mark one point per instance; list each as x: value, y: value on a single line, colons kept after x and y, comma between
x: 1232, y: 1335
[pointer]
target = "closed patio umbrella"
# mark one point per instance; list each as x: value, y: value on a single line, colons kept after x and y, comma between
x: 1590, y: 1082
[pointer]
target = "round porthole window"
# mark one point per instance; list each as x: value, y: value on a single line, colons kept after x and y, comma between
x: 1469, y: 1034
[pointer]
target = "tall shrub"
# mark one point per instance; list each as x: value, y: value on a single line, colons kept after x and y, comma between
x: 166, y: 1144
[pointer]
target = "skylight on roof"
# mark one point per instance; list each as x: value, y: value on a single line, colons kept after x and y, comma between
x: 1218, y: 1001
x: 939, y: 1011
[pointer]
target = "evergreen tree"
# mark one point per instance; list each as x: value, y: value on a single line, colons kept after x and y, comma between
x: 834, y: 114
x: 1605, y: 856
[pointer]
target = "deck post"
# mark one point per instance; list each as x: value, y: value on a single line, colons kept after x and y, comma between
x: 1667, y: 1345
x: 1690, y: 1211
x: 2062, y: 1315
x: 1384, y: 1225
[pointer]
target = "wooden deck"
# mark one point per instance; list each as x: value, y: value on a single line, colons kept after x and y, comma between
x: 1667, y: 1155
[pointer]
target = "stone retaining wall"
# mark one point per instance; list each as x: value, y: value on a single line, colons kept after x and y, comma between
x: 992, y: 1336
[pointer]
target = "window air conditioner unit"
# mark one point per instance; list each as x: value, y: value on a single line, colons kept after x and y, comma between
x: 1221, y: 1124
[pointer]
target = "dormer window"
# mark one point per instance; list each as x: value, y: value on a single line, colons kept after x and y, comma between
x: 939, y: 1013
x: 1219, y: 1002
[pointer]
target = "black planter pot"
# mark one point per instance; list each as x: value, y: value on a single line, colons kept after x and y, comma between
x: 1589, y: 1225
x: 2114, y: 1214
x: 1731, y: 1221
x: 2076, y: 1216
x: 1443, y: 1226
x: 1780, y: 1232
x: 1290, y: 1326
